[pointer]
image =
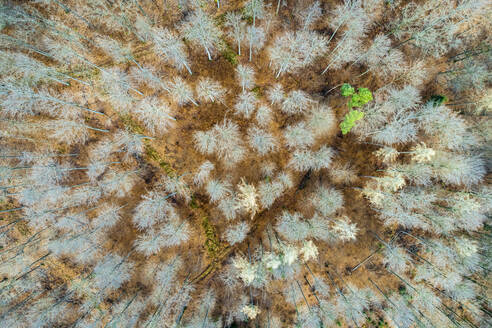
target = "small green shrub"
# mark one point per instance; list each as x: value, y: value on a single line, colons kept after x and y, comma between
x: 359, y: 99
x: 349, y: 120
x: 438, y: 100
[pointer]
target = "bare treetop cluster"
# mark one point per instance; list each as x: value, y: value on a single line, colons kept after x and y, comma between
x: 199, y: 163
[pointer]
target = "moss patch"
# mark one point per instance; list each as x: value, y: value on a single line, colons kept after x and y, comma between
x: 152, y: 154
x: 257, y: 91
x: 193, y: 203
x: 228, y: 53
x: 150, y: 151
x: 212, y: 242
x: 130, y: 124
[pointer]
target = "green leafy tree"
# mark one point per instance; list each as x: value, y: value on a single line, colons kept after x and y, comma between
x: 349, y: 120
x: 347, y: 90
x: 359, y: 99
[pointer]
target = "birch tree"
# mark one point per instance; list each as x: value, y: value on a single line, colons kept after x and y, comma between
x: 171, y: 47
x: 237, y: 28
x: 201, y: 30
x: 256, y: 38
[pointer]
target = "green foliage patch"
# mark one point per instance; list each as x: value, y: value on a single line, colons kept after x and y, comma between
x: 193, y: 203
x: 349, y: 120
x: 347, y: 90
x: 361, y: 98
x: 438, y: 100
x: 131, y: 125
x: 357, y: 99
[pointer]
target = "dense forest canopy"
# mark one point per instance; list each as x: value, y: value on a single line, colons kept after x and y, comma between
x: 233, y: 163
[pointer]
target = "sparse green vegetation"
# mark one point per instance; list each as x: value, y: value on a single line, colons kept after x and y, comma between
x: 228, y: 53
x: 212, y: 244
x: 349, y: 120
x: 356, y: 99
